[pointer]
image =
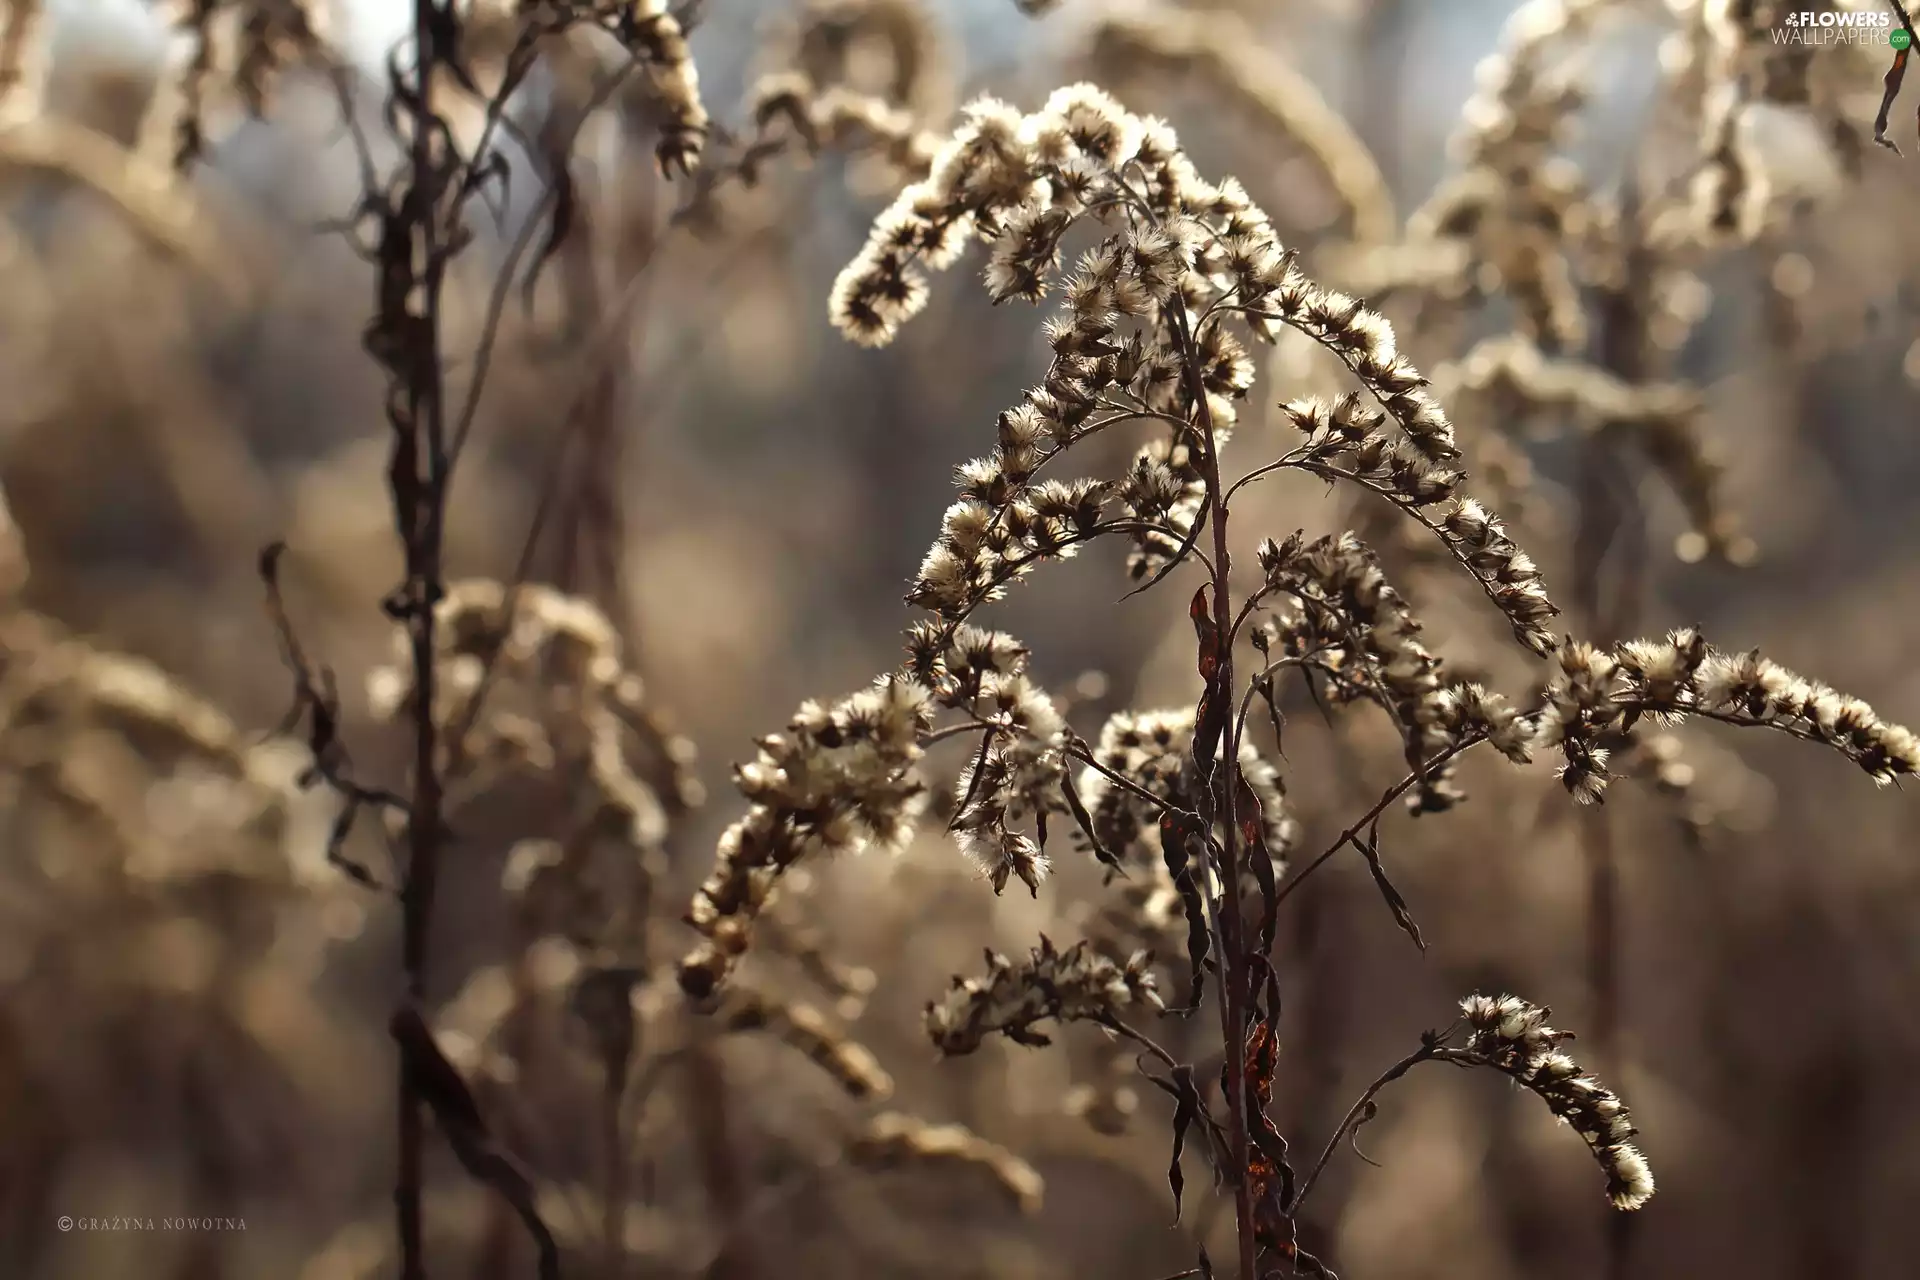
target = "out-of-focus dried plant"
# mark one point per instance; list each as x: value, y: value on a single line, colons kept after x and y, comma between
x: 1219, y: 49
x: 608, y: 495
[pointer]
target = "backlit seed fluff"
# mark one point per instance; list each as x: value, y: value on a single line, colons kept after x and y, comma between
x: 1078, y: 984
x: 1016, y: 779
x: 1020, y: 182
x: 1512, y: 1036
x: 840, y: 778
x: 1347, y: 623
x: 1152, y: 750
x: 1602, y: 695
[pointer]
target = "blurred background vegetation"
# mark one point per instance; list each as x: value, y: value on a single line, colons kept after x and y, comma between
x: 192, y: 1003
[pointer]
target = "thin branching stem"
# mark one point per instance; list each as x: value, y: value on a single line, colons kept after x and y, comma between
x: 1372, y: 815
x: 420, y: 488
x: 1433, y: 1050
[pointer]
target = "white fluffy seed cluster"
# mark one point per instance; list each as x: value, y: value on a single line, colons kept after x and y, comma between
x: 1360, y: 634
x: 241, y: 49
x: 1512, y: 1036
x: 835, y: 117
x: 1599, y: 696
x: 1524, y: 96
x: 1182, y: 257
x: 1078, y: 984
x: 1345, y: 442
x: 1154, y: 751
x: 838, y: 780
x: 792, y: 110
x: 1016, y: 779
x: 1151, y: 328
x: 846, y: 1062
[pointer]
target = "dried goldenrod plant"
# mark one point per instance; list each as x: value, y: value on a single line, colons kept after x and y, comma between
x: 1221, y: 50
x: 1179, y: 275
x: 161, y: 892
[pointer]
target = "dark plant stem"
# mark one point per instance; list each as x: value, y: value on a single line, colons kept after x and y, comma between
x: 420, y: 485
x: 1351, y: 835
x: 1231, y: 925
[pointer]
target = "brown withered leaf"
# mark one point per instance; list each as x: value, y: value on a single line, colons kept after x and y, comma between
x: 1253, y: 836
x: 1210, y: 717
x: 1187, y: 1109
x: 1178, y: 558
x: 1402, y: 914
x: 1270, y: 1176
x: 1174, y: 852
x: 1084, y: 820
x: 1208, y: 633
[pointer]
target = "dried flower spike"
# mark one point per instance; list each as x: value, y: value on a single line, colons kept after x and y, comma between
x: 1513, y: 1037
